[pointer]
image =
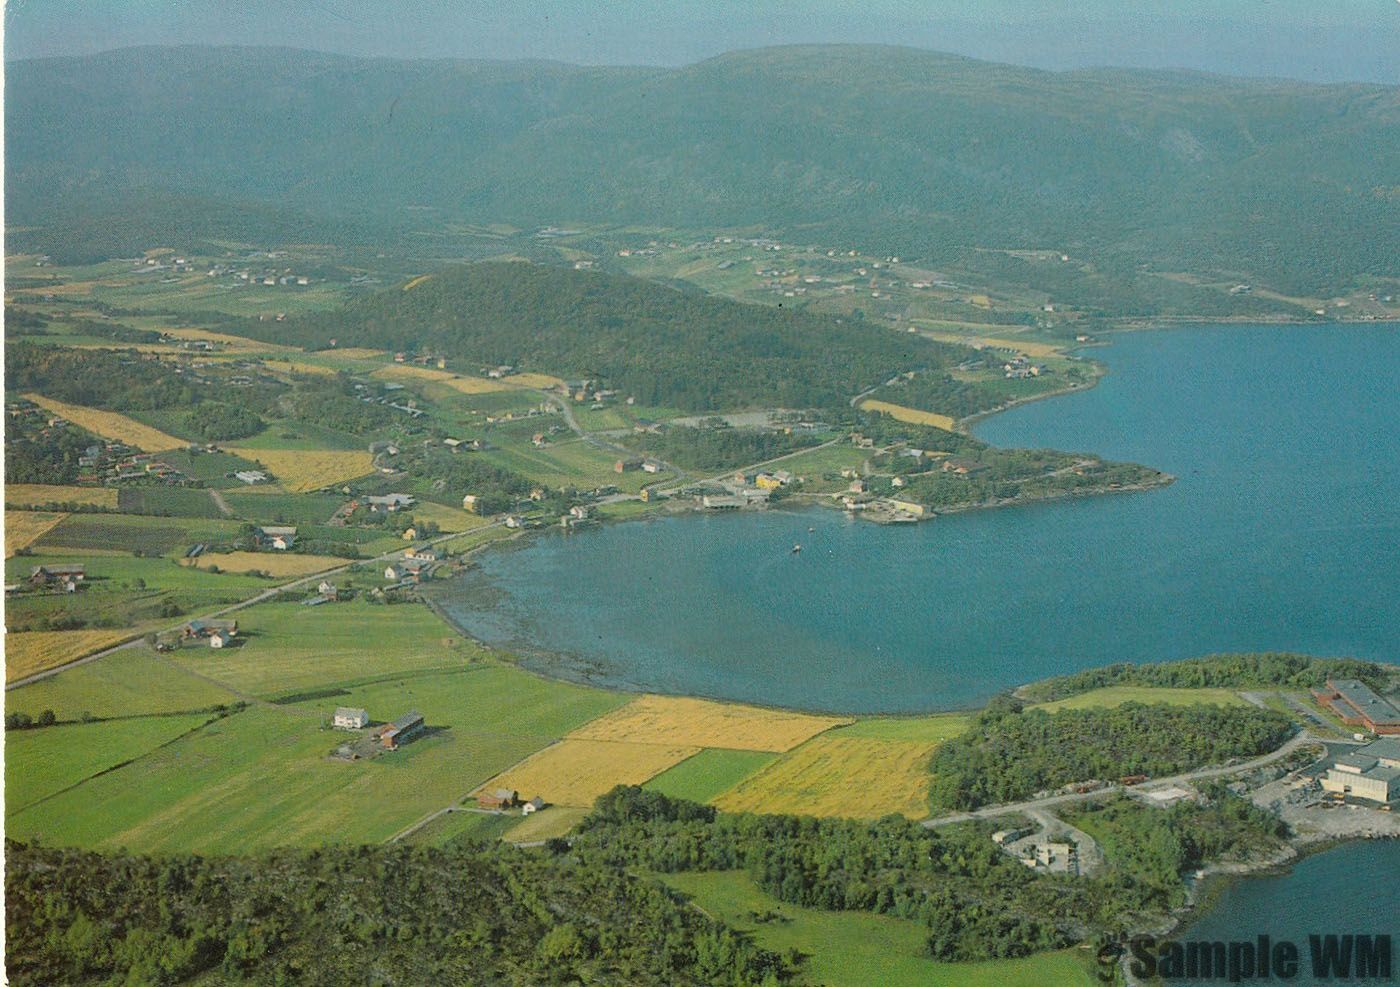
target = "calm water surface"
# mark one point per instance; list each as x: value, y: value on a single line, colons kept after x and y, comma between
x: 1282, y: 532
x: 1317, y: 896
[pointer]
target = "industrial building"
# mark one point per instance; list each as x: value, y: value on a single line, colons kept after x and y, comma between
x: 1357, y: 705
x: 1371, y: 772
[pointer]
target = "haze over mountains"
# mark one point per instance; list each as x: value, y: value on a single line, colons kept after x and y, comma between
x: 914, y: 152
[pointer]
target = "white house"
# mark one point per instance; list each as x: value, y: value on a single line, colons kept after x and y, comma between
x: 347, y: 718
x: 533, y: 806
x: 219, y: 639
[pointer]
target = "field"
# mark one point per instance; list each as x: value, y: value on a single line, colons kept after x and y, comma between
x: 24, y: 528
x: 926, y: 729
x: 132, y: 682
x: 407, y: 374
x: 127, y: 533
x: 447, y: 519
x: 463, y: 825
x: 301, y: 470
x: 1115, y: 695
x: 556, y: 820
x: 539, y: 381
x: 56, y: 758
x: 285, y: 646
x: 262, y: 777
x: 567, y: 463
x: 39, y: 495
x: 29, y: 652
x: 709, y: 773
x: 855, y: 777
x: 575, y: 772
x: 299, y: 367
x: 684, y: 722
x: 273, y: 563
x: 1025, y: 346
x: 230, y: 342
x: 171, y: 501
x: 853, y: 949
x: 913, y: 415
x: 111, y: 425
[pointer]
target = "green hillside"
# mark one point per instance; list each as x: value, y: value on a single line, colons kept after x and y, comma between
x: 1287, y: 183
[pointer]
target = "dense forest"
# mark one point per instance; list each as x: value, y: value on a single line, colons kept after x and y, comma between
x: 655, y: 343
x: 1011, y: 753
x: 1270, y: 669
x: 890, y: 149
x: 388, y: 915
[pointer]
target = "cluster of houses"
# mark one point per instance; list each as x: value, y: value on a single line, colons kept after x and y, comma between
x: 267, y: 277
x: 326, y: 592
x: 58, y: 578
x: 277, y: 538
x: 630, y: 464
x: 1020, y: 367
x: 388, y: 736
x: 416, y: 565
x: 217, y: 633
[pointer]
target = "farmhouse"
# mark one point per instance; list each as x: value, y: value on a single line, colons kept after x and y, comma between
x: 347, y: 718
x: 423, y: 553
x: 327, y: 590
x: 276, y: 537
x: 627, y: 465
x: 390, y: 502
x: 469, y: 503
x: 1358, y: 705
x: 533, y: 806
x: 402, y: 730
x: 499, y: 798
x: 66, y: 576
x: 1371, y: 772
x: 208, y: 628
x: 963, y: 467
x: 250, y: 477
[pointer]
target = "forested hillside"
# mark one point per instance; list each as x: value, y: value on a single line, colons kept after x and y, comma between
x: 885, y: 148
x: 663, y: 346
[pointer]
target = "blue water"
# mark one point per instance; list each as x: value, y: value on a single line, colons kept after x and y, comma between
x: 1347, y: 890
x: 1282, y: 532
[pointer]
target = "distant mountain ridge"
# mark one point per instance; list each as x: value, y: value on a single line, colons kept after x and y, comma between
x: 1294, y: 184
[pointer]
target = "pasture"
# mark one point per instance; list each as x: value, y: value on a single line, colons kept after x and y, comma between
x: 575, y: 772
x: 24, y: 528
x: 302, y: 470
x: 111, y: 425
x: 911, y: 415
x: 853, y: 949
x: 709, y: 773
x: 409, y: 374
x: 41, y: 762
x: 855, y: 777
x: 684, y: 722
x: 132, y: 682
x: 42, y: 495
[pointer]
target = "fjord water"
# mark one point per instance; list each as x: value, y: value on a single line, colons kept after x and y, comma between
x: 1316, y: 896
x: 1282, y: 532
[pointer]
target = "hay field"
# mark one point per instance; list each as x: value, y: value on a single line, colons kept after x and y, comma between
x: 541, y: 381
x: 354, y: 353
x: 273, y: 563
x: 575, y: 772
x: 912, y: 415
x: 407, y: 373
x: 24, y: 528
x: 1116, y: 695
x: 856, y: 777
x: 449, y: 519
x: 680, y: 721
x: 28, y: 652
x: 111, y: 425
x: 295, y: 367
x: 232, y: 342
x: 303, y: 470
x: 39, y: 494
x: 1025, y: 346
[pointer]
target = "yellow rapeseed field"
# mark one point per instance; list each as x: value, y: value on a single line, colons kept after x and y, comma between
x: 28, y: 652
x: 681, y: 721
x: 273, y: 563
x: 111, y: 425
x: 37, y: 494
x: 857, y: 777
x: 24, y: 528
x: 300, y: 470
x: 575, y: 772
x: 913, y: 415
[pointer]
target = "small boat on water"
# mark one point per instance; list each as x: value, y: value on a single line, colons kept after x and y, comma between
x: 796, y: 549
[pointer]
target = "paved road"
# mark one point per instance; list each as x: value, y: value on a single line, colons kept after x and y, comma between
x: 1200, y: 774
x: 262, y: 597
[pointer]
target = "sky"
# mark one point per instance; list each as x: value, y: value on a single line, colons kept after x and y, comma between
x: 1318, y: 40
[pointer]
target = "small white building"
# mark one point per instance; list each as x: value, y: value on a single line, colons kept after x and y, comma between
x: 347, y: 718
x: 219, y: 639
x: 532, y: 806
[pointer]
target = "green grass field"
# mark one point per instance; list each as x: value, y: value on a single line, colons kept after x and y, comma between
x: 571, y: 461
x: 301, y: 435
x: 707, y: 774
x: 263, y: 777
x: 933, y: 729
x: 133, y: 682
x: 210, y: 467
x: 287, y: 647
x: 464, y: 825
x: 855, y: 949
x: 285, y: 508
x: 1116, y: 695
x: 39, y: 763
x: 135, y: 533
x: 172, y: 501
